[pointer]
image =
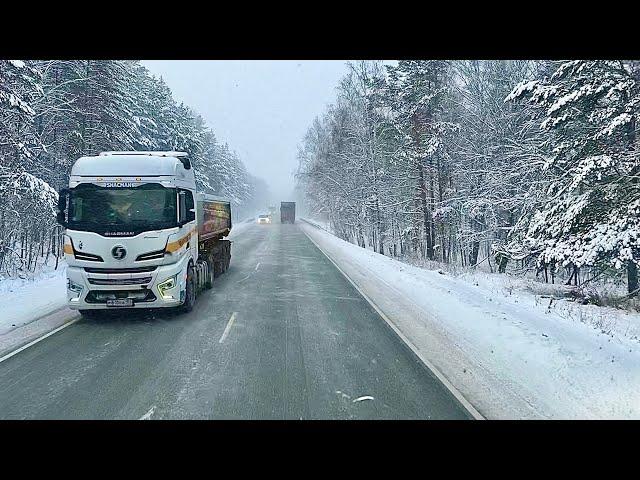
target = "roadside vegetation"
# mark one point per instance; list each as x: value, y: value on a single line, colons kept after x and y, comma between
x: 526, y: 168
x: 52, y: 112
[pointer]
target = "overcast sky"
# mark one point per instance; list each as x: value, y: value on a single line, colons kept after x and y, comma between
x: 261, y: 108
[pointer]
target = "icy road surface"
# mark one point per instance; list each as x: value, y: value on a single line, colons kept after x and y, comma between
x: 282, y: 335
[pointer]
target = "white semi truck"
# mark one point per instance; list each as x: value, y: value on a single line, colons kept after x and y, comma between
x: 138, y: 234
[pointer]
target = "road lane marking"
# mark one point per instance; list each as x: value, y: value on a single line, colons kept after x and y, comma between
x: 240, y: 281
x: 33, y: 342
x: 147, y: 415
x: 255, y: 270
x: 342, y: 394
x: 430, y: 366
x: 228, y: 327
x: 360, y: 399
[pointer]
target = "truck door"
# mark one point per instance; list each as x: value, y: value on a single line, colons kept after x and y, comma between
x: 186, y: 205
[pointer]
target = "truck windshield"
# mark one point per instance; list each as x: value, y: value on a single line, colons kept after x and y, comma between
x: 149, y: 206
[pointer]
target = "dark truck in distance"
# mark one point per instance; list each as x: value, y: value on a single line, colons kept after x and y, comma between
x: 287, y: 212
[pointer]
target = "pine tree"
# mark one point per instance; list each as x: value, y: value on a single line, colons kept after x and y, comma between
x: 26, y: 201
x: 421, y: 92
x: 591, y: 218
x: 19, y: 88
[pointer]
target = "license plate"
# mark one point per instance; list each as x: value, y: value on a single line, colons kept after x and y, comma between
x: 120, y: 302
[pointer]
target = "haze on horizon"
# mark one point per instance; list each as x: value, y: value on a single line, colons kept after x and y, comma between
x: 261, y: 108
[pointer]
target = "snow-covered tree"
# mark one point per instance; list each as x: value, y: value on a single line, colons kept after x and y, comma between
x: 54, y: 111
x: 496, y: 148
x: 19, y: 89
x: 591, y: 217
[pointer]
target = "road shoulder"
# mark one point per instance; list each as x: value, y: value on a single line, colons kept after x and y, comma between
x: 19, y: 337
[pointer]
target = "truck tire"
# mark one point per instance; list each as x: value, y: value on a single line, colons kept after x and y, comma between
x: 208, y: 284
x: 204, y: 274
x: 190, y: 293
x: 227, y: 258
x: 218, y: 268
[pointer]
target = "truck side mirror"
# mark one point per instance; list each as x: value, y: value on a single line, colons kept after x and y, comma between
x: 62, y: 207
x: 186, y: 163
x: 191, y: 215
x: 62, y: 199
x: 60, y: 217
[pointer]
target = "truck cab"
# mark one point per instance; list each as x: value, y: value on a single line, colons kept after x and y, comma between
x: 131, y: 232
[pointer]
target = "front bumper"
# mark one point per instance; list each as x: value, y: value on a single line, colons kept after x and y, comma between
x: 90, y: 289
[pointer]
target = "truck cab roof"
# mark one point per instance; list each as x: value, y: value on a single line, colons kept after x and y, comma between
x: 146, y: 153
x: 133, y: 164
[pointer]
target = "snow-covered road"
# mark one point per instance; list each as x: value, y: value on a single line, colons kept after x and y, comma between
x: 502, y: 348
x: 506, y: 352
x: 282, y: 335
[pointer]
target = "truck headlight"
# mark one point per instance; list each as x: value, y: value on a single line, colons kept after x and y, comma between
x: 74, y: 287
x: 167, y: 284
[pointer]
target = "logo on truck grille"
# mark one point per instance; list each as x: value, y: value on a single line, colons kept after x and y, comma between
x: 119, y: 252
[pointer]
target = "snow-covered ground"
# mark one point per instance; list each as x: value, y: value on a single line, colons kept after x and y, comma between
x: 239, y: 226
x: 502, y: 346
x: 22, y: 301
x: 323, y: 224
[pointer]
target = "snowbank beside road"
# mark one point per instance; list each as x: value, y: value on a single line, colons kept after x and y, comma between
x: 22, y: 301
x: 508, y: 354
x: 238, y: 227
x: 323, y: 224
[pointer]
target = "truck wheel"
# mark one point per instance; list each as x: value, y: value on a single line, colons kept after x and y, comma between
x: 205, y: 274
x: 190, y: 294
x: 218, y: 269
x: 208, y: 284
x: 227, y: 257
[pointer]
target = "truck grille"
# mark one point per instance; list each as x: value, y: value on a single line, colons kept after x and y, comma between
x: 119, y: 281
x: 120, y: 270
x: 101, y: 296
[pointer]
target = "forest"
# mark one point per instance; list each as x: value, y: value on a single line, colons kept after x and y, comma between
x: 54, y: 111
x: 511, y: 166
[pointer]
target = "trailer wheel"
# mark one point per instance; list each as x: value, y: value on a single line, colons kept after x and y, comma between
x: 208, y: 284
x: 227, y: 260
x: 204, y: 274
x: 218, y: 269
x: 190, y: 294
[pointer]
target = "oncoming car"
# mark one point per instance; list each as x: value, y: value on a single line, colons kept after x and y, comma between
x: 264, y: 219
